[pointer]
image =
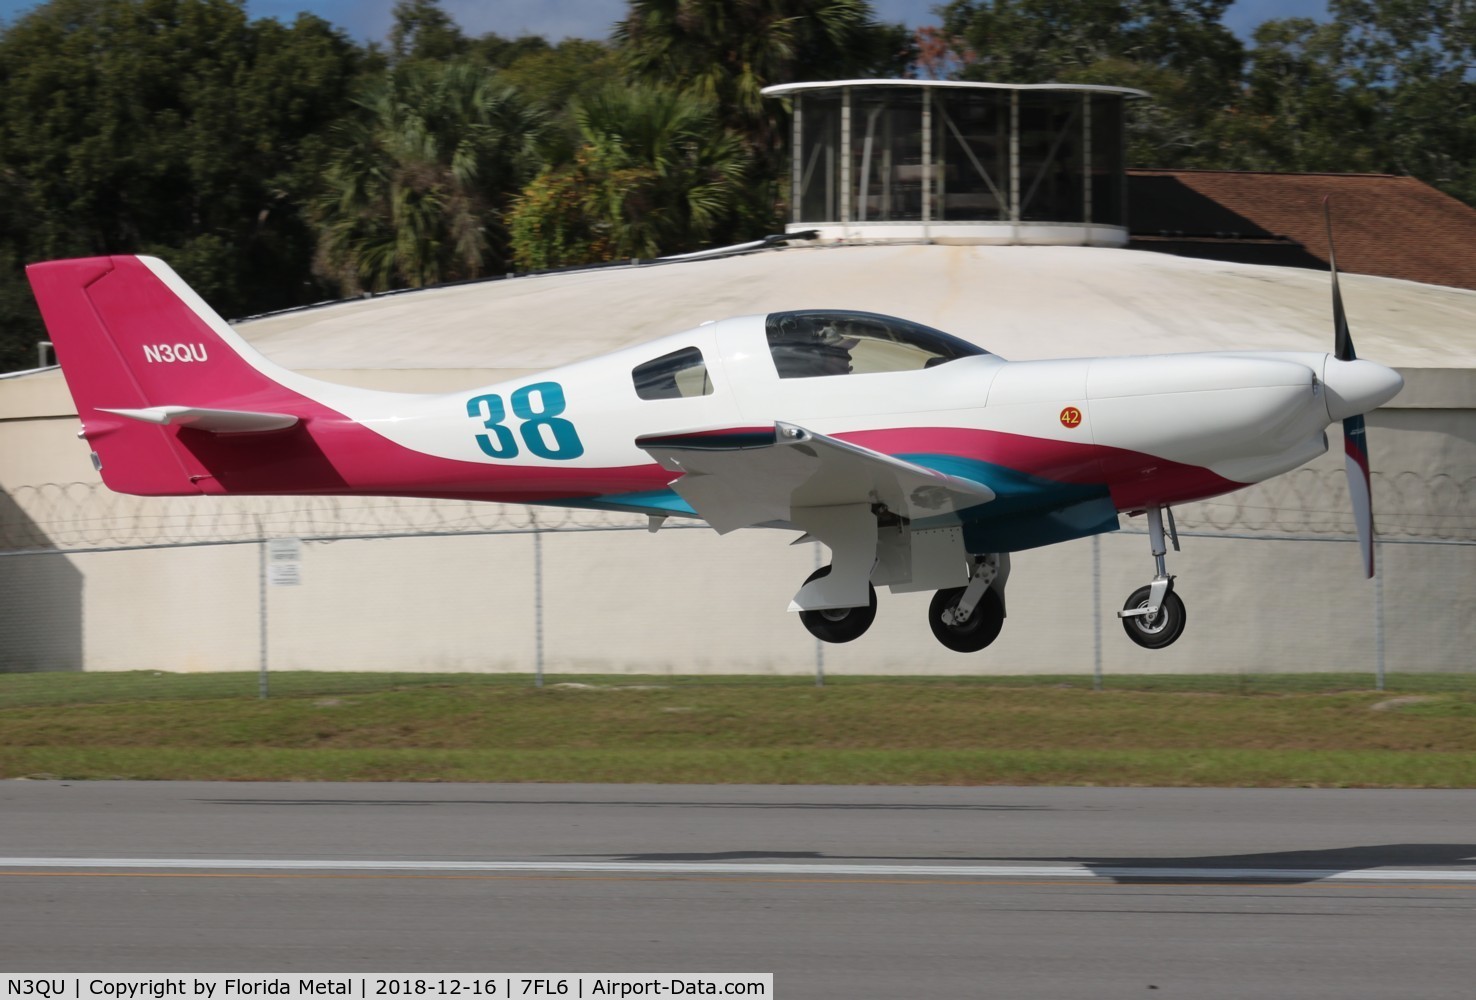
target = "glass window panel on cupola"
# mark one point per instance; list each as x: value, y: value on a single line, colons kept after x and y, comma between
x: 886, y: 154
x: 818, y: 167
x: 971, y: 146
x: 1106, y: 169
x: 1052, y: 181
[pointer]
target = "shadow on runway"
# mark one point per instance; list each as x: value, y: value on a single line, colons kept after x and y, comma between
x: 1332, y: 859
x: 1298, y: 866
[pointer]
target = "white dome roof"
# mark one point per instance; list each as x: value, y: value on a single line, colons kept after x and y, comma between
x: 1020, y: 302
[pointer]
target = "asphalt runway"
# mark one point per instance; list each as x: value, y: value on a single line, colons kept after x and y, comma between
x: 840, y: 892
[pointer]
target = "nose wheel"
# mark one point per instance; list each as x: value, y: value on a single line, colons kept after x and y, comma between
x: 1154, y: 616
x: 1149, y: 628
x: 839, y: 624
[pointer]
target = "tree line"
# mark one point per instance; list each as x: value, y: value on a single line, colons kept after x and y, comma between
x: 277, y: 164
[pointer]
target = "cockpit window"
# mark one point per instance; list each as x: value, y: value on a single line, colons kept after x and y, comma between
x: 673, y: 376
x: 829, y: 342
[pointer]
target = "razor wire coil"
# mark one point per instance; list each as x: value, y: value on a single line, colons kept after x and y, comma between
x: 78, y: 516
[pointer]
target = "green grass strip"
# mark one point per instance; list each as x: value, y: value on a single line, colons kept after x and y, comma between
x: 1221, y: 768
x: 77, y: 688
x: 1294, y: 730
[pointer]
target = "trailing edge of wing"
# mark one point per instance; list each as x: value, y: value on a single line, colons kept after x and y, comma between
x: 736, y: 477
x: 211, y: 421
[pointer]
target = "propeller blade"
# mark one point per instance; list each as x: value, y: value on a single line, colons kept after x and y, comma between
x: 1360, y: 487
x: 1355, y: 437
x: 1342, y: 338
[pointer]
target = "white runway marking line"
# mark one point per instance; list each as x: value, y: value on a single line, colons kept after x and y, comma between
x: 995, y: 871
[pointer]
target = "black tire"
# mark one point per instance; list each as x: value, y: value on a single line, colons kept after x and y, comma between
x: 1160, y: 631
x: 980, y: 630
x: 839, y: 624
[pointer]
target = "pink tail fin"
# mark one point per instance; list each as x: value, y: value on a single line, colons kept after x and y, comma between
x: 141, y: 352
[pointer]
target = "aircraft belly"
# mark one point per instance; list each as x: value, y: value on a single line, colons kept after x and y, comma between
x: 1033, y: 528
x: 1254, y: 469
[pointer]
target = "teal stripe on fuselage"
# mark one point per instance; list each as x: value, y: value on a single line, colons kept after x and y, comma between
x: 1015, y: 491
x: 657, y: 502
x: 1027, y: 512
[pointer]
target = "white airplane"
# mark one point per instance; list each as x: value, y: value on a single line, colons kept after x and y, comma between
x: 922, y: 461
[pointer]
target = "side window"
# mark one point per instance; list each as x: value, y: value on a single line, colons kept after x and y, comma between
x: 673, y: 376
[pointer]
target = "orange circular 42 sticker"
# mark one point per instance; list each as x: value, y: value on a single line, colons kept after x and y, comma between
x: 1071, y: 417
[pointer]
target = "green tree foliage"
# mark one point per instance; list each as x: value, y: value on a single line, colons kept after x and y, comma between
x: 1298, y: 110
x: 1177, y: 50
x: 554, y: 76
x: 554, y: 223
x: 1387, y: 85
x: 415, y: 192
x: 422, y: 30
x: 655, y: 173
x: 1425, y: 58
x: 500, y: 53
x: 729, y: 50
x: 170, y: 126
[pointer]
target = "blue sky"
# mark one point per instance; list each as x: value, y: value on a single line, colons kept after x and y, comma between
x: 370, y: 19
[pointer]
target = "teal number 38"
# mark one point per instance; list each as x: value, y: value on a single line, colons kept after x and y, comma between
x: 536, y: 426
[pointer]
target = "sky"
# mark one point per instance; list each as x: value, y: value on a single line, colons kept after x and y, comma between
x: 368, y: 20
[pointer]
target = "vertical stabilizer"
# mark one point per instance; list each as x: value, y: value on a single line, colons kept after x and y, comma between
x: 146, y: 359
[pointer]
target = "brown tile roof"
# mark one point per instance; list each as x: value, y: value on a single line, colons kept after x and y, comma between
x: 1398, y: 227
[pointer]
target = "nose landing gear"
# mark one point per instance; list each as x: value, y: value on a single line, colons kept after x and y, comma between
x: 1154, y: 615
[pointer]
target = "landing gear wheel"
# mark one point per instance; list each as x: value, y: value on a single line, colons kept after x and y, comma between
x: 839, y: 624
x: 1162, y: 629
x: 980, y: 630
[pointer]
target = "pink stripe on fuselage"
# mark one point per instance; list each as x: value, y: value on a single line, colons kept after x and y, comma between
x: 336, y: 455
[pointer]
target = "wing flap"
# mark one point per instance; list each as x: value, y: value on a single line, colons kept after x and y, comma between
x: 735, y: 478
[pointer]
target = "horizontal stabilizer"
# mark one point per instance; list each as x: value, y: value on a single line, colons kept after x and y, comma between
x: 212, y: 421
x: 736, y: 477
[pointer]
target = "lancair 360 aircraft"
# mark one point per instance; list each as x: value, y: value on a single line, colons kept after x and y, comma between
x: 919, y: 459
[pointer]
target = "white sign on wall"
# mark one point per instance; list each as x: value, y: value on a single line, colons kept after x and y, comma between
x: 284, y: 562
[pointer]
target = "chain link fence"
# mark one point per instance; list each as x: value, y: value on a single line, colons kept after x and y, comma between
x: 1307, y: 503
x: 261, y: 587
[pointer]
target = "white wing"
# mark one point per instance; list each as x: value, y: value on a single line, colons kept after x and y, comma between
x: 738, y: 477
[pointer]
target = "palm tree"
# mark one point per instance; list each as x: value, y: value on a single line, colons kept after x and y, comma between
x: 674, y: 174
x: 416, y: 191
x: 729, y: 50
x: 655, y: 173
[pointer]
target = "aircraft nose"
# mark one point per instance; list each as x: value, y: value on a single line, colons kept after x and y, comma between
x: 1359, y: 386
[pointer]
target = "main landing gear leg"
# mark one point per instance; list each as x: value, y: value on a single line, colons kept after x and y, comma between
x: 966, y: 619
x: 837, y: 602
x: 1154, y: 616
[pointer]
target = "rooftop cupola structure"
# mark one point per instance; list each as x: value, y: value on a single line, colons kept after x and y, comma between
x: 950, y: 161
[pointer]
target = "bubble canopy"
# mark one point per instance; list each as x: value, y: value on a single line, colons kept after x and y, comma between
x: 957, y: 161
x: 816, y: 342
